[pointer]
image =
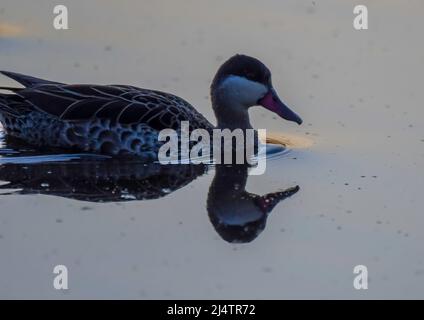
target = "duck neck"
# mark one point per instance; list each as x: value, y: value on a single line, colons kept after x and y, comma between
x: 230, y: 115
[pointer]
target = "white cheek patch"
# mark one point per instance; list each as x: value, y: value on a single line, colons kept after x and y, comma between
x: 242, y: 90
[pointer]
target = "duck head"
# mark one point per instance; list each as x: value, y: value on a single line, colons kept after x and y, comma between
x: 243, y: 82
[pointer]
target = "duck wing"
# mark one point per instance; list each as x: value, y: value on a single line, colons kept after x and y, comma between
x: 117, y: 103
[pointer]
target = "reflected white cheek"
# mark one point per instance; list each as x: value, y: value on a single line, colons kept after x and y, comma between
x: 240, y: 90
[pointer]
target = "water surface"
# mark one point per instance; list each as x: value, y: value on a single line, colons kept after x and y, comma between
x: 132, y: 231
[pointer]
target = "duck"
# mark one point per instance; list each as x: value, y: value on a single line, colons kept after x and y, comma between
x: 122, y: 120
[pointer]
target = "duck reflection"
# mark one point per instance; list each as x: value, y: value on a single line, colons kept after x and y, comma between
x: 98, y: 181
x: 237, y: 215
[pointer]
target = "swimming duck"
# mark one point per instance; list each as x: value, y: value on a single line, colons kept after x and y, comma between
x: 126, y: 120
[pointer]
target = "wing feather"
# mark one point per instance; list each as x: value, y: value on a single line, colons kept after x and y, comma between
x: 122, y: 104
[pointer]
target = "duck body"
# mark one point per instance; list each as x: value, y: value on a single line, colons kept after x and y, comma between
x: 126, y: 120
x: 107, y: 119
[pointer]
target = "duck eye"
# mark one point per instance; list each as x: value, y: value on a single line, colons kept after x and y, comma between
x: 249, y: 74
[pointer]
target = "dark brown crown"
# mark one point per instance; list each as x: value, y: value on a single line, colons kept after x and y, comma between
x: 243, y: 66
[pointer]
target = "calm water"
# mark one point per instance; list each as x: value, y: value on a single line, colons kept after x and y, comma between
x: 348, y: 192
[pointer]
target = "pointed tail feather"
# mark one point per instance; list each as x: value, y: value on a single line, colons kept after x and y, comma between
x: 10, y: 89
x: 25, y: 80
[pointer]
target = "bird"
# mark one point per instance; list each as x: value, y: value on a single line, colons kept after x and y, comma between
x: 124, y: 120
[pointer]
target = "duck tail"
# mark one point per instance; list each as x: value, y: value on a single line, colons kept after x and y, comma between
x: 26, y: 81
x: 5, y: 106
x: 10, y: 89
x: 7, y: 99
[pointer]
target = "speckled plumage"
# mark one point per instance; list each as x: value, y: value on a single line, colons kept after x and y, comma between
x: 126, y: 120
x: 108, y: 119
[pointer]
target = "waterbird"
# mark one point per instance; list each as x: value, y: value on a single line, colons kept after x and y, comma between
x: 122, y: 120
